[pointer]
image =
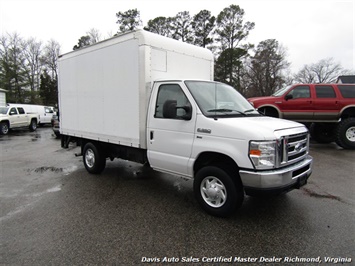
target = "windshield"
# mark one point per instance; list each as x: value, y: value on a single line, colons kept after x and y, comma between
x: 281, y: 91
x: 219, y: 100
x: 3, y: 110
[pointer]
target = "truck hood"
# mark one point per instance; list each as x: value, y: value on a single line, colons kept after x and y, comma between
x: 247, y: 128
x: 257, y: 99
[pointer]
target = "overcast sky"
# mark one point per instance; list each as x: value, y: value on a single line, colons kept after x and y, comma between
x: 311, y: 30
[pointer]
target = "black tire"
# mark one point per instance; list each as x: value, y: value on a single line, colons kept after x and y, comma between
x: 323, y: 132
x: 218, y: 190
x: 345, y: 133
x: 94, y: 160
x: 33, y: 125
x: 4, y: 128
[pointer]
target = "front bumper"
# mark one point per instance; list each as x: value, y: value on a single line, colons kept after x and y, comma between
x: 277, y: 181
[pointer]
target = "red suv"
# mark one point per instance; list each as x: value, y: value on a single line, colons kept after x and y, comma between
x: 328, y: 108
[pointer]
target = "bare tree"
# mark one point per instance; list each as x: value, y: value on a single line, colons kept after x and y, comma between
x: 32, y: 52
x: 95, y: 35
x: 50, y: 57
x: 324, y: 71
x: 267, y: 66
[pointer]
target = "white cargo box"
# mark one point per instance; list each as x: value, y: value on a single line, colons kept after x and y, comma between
x: 104, y: 89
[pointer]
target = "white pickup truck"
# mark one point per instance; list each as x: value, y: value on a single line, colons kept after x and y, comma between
x: 150, y: 99
x: 16, y: 117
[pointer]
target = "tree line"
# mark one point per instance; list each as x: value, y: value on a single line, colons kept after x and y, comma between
x: 28, y: 68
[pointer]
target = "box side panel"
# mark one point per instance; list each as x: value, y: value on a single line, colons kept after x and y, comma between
x: 99, y: 94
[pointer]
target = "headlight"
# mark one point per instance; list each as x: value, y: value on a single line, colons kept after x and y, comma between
x: 263, y: 154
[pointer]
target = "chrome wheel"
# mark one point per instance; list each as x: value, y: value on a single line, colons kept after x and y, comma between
x: 90, y: 158
x: 350, y: 134
x: 213, y: 191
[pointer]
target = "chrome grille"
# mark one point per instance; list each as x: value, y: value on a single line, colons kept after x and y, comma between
x: 293, y: 148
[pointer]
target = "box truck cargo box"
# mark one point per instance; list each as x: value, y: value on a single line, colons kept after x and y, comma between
x: 104, y: 88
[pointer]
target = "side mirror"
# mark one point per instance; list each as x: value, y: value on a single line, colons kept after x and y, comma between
x: 188, y: 112
x: 288, y: 97
x: 169, y: 109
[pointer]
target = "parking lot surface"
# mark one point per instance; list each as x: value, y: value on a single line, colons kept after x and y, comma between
x: 52, y: 212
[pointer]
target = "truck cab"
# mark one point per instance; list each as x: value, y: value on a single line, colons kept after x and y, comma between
x: 195, y: 127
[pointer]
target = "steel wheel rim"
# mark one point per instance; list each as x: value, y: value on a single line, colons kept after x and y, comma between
x: 213, y: 191
x: 90, y: 158
x: 350, y: 134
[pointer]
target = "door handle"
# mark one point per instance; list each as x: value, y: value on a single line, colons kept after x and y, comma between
x: 151, y: 135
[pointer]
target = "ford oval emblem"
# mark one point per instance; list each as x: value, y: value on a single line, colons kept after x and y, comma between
x: 298, y: 147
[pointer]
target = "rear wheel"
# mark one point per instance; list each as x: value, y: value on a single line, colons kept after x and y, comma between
x: 345, y: 133
x: 323, y: 132
x: 94, y: 160
x: 218, y: 190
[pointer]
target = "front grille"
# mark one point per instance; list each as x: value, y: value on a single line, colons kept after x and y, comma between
x: 293, y: 148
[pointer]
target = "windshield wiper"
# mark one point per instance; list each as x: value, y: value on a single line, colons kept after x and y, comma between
x: 224, y: 110
x: 249, y: 110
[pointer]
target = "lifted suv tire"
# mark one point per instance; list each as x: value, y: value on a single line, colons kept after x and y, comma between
x: 345, y: 133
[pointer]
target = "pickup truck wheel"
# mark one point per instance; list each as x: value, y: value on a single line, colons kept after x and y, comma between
x: 94, y: 161
x: 345, y: 133
x: 323, y: 132
x: 218, y: 190
x: 33, y: 125
x: 4, y: 128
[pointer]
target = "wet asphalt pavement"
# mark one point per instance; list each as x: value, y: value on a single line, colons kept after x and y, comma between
x: 52, y: 212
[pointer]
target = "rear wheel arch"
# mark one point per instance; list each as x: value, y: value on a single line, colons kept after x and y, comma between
x: 347, y: 112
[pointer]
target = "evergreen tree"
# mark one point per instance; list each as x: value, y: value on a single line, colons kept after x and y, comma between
x: 203, y: 24
x: 231, y: 31
x: 129, y: 20
x: 48, y: 89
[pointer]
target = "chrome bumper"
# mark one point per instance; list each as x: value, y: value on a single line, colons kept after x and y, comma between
x: 277, y: 180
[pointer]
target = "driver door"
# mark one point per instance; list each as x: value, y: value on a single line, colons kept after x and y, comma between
x: 170, y: 137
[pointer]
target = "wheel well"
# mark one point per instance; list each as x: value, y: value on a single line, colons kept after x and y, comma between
x: 348, y: 112
x: 269, y: 111
x: 5, y: 121
x: 213, y: 158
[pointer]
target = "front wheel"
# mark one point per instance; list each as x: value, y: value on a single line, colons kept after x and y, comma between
x: 33, y: 125
x: 345, y: 133
x: 94, y: 160
x: 218, y: 190
x: 4, y: 128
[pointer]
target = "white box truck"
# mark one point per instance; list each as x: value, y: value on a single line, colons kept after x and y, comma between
x: 150, y: 99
